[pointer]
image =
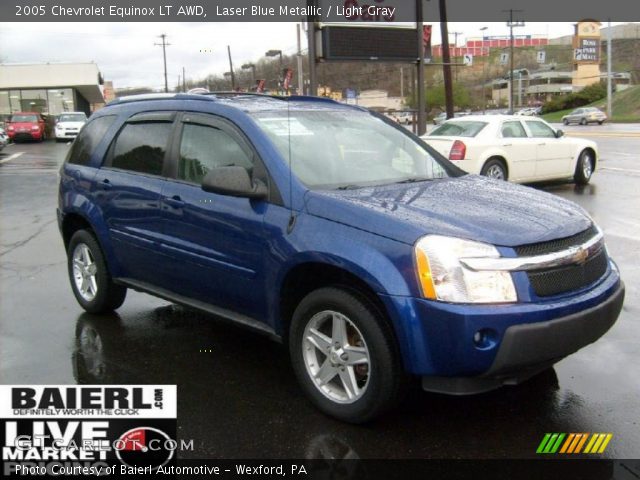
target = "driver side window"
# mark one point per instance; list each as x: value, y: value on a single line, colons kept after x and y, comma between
x: 541, y: 130
x: 205, y: 147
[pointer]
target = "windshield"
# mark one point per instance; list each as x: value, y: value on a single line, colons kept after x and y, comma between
x: 458, y: 129
x: 24, y: 118
x: 347, y: 149
x: 72, y: 117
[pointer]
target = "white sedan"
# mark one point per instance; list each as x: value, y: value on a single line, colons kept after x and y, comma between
x: 515, y: 148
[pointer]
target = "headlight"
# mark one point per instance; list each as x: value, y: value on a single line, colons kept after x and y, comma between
x: 442, y: 276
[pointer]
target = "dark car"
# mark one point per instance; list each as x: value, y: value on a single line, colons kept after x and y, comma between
x: 337, y: 232
x: 26, y: 126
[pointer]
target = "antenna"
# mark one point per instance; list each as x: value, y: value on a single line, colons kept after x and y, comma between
x: 292, y: 218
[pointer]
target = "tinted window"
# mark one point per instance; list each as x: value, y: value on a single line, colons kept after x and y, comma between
x: 88, y: 139
x: 513, y: 130
x: 203, y: 148
x: 140, y: 147
x: 539, y: 129
x: 458, y: 129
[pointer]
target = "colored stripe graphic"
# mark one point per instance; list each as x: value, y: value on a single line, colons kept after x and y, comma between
x: 573, y: 443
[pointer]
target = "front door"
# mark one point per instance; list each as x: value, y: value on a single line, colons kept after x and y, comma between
x: 216, y: 242
x: 553, y: 154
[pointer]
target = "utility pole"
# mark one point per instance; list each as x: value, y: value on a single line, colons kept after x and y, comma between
x: 446, y: 59
x: 299, y: 61
x: 421, y: 120
x: 311, y: 44
x: 401, y: 82
x: 484, y: 73
x: 184, y: 82
x: 511, y: 24
x: 609, y: 89
x: 164, y: 46
x: 233, y: 77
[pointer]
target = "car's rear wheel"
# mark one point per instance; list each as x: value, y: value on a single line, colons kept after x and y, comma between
x: 344, y: 355
x: 494, y: 168
x: 565, y: 121
x: 584, y: 168
x: 90, y: 279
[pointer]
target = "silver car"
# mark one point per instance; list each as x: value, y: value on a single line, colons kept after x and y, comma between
x: 585, y: 115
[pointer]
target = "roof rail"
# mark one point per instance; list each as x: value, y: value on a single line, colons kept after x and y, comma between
x: 159, y: 96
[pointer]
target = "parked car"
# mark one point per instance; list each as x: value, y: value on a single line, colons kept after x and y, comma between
x: 404, y: 118
x: 4, y: 138
x: 69, y: 124
x: 370, y: 255
x: 528, y: 112
x: 441, y: 117
x: 26, y: 126
x: 515, y: 148
x: 585, y: 115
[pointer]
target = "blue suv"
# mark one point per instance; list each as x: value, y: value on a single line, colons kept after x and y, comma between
x: 337, y: 232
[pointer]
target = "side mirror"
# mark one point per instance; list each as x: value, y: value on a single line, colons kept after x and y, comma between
x: 559, y: 133
x: 233, y: 181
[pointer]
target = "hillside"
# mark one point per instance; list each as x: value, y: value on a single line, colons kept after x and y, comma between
x: 625, y: 105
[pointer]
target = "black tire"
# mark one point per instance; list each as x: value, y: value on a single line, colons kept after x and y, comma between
x: 493, y: 165
x: 108, y: 295
x: 565, y: 121
x: 582, y: 174
x: 600, y: 122
x: 385, y: 378
x: 583, y: 121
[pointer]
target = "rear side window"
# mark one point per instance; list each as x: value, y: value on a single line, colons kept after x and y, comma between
x: 458, y: 129
x: 88, y: 139
x: 141, y: 147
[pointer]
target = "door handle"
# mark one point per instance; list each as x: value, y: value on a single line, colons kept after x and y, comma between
x: 541, y: 144
x: 105, y: 184
x: 175, y: 201
x: 506, y: 144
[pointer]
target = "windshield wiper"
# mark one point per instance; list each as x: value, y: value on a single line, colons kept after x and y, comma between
x: 415, y: 180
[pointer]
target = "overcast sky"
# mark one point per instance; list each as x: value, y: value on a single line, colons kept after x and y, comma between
x: 125, y: 52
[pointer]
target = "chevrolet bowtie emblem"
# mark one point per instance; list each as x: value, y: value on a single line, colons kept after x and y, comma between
x: 581, y: 255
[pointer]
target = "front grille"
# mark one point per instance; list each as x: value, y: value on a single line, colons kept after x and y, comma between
x: 556, y: 245
x: 557, y: 280
x: 566, y: 279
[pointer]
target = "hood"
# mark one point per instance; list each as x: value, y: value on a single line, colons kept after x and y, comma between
x: 471, y: 207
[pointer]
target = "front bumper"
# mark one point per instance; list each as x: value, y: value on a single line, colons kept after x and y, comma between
x: 66, y: 135
x: 518, y: 340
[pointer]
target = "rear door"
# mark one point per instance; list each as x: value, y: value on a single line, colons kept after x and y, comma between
x: 554, y: 157
x: 519, y: 149
x: 215, y: 243
x: 128, y: 191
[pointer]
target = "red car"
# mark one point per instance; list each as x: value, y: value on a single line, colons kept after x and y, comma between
x: 26, y: 126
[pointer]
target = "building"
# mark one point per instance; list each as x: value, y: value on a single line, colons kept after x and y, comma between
x: 50, y: 88
x: 481, y: 46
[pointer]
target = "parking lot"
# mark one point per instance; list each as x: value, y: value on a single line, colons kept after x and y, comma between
x: 237, y: 396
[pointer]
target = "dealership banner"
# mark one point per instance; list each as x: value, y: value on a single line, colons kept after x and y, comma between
x: 349, y: 11
x: 87, y: 429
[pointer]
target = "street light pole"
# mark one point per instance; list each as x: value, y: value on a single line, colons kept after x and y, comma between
x: 484, y: 75
x: 233, y: 77
x: 511, y: 24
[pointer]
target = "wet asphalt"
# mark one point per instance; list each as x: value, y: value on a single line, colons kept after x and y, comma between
x: 237, y: 396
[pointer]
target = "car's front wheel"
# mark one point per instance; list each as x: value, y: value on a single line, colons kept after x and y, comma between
x: 90, y: 279
x: 565, y: 121
x: 344, y: 355
x: 584, y: 168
